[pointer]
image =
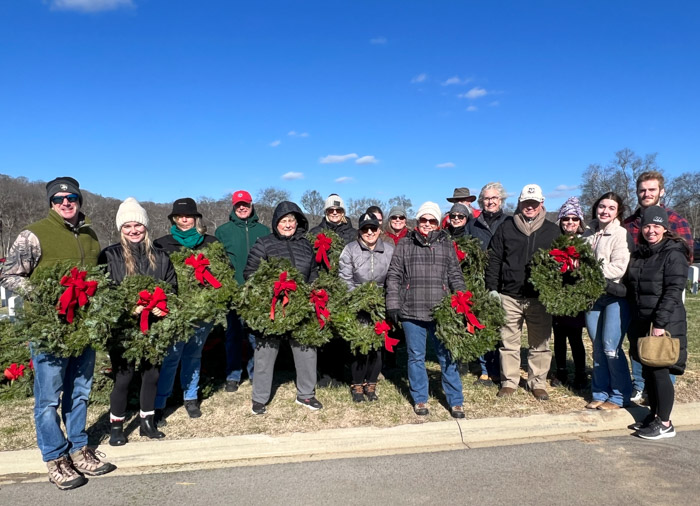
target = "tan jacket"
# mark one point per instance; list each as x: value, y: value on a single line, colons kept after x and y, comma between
x: 611, y: 245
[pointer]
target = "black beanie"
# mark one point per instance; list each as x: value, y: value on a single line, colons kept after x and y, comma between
x: 655, y: 215
x: 63, y: 184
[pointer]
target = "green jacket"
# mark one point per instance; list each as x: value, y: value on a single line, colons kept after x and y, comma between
x: 238, y: 236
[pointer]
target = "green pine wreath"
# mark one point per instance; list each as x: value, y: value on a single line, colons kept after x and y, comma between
x: 567, y: 293
x: 451, y: 327
x: 204, y: 302
x: 362, y: 308
x: 473, y: 264
x: 337, y: 245
x: 254, y: 299
x: 16, y: 370
x: 162, y: 332
x: 50, y: 332
x: 310, y: 333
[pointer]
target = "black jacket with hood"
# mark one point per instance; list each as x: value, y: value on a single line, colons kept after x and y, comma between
x: 344, y: 230
x: 296, y: 248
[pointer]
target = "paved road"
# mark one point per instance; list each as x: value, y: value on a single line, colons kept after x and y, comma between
x: 613, y: 470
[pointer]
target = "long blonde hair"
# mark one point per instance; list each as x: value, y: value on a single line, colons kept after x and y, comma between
x: 129, y: 260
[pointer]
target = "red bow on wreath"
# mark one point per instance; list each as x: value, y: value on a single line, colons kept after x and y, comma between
x: 461, y: 255
x: 319, y: 298
x: 323, y: 246
x: 76, y: 294
x: 383, y: 327
x: 568, y: 258
x: 149, y: 301
x: 282, y: 286
x: 462, y: 303
x: 200, y: 264
x: 14, y: 372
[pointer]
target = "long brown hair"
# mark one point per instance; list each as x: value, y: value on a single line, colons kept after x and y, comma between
x: 621, y: 207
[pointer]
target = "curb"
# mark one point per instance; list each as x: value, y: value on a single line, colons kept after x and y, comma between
x: 259, y: 449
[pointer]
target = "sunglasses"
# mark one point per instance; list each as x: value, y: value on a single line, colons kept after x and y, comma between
x: 334, y: 211
x: 570, y: 218
x: 369, y: 228
x: 426, y: 220
x: 395, y: 218
x: 72, y: 198
x: 457, y: 216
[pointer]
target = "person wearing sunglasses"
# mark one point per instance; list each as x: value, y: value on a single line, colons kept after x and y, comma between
x: 396, y: 228
x: 65, y: 235
x: 570, y: 328
x: 336, y: 220
x: 457, y: 225
x: 423, y: 270
x: 366, y: 260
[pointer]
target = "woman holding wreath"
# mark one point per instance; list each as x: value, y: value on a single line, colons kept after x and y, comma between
x: 134, y: 254
x: 656, y: 280
x: 363, y: 261
x: 186, y: 231
x: 608, y: 319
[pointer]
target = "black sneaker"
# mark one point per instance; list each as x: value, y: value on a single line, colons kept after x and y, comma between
x: 311, y: 403
x: 644, y: 423
x: 192, y: 407
x: 259, y: 408
x: 657, y: 430
x: 232, y: 386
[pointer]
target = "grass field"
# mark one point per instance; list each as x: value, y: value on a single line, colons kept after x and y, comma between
x: 229, y: 413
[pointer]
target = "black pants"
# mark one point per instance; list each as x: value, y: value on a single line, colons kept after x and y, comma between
x: 123, y: 373
x: 660, y: 391
x: 332, y: 358
x: 568, y: 329
x: 366, y: 368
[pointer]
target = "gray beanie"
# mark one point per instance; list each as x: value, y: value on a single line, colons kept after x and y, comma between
x: 63, y: 184
x: 131, y: 210
x: 655, y: 215
x: 460, y: 209
x: 397, y: 211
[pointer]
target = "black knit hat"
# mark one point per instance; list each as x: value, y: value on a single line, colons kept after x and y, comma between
x: 184, y: 207
x: 63, y: 184
x: 655, y: 215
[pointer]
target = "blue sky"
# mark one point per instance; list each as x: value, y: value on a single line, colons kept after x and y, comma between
x: 163, y: 99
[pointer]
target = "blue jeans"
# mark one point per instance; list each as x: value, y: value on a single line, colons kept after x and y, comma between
x: 417, y: 333
x: 235, y: 331
x: 68, y: 381
x: 190, y: 354
x: 490, y: 364
x: 607, y: 323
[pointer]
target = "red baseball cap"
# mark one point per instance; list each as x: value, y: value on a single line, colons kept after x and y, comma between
x: 241, y: 196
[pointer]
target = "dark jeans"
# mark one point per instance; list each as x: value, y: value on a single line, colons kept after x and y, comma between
x: 366, y: 368
x: 123, y: 373
x: 569, y: 329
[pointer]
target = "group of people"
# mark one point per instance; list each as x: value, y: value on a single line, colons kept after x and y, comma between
x: 644, y: 260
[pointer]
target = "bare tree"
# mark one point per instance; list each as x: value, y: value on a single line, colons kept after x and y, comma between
x: 355, y: 207
x: 402, y: 201
x: 272, y: 196
x: 683, y: 194
x: 313, y: 202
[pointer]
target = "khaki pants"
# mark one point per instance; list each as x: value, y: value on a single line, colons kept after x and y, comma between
x: 539, y: 329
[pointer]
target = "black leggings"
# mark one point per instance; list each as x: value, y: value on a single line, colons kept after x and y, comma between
x: 123, y: 373
x: 660, y: 391
x: 572, y: 332
x: 366, y: 368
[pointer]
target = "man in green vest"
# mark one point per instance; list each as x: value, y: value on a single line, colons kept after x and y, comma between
x: 64, y: 235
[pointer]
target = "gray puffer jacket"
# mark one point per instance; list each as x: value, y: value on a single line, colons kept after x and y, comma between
x: 422, y: 271
x: 359, y: 264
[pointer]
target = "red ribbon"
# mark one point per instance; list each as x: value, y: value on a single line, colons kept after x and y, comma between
x: 462, y: 303
x: 76, y: 294
x: 14, y: 372
x: 323, y: 246
x: 149, y: 301
x: 383, y: 327
x: 200, y: 264
x: 282, y: 286
x: 568, y: 258
x: 319, y: 298
x: 461, y: 255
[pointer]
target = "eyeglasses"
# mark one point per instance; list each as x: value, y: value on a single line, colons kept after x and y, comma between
x: 457, y: 216
x: 487, y: 199
x: 397, y: 218
x: 570, y: 218
x: 334, y: 211
x: 423, y: 221
x: 58, y: 199
x: 369, y: 228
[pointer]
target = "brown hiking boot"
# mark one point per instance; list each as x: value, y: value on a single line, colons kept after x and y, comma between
x: 87, y: 462
x: 370, y: 390
x: 357, y: 392
x: 63, y: 475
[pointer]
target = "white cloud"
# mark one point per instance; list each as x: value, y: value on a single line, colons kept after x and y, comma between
x: 565, y: 188
x: 276, y: 143
x: 378, y: 40
x: 344, y: 179
x: 472, y: 108
x: 456, y: 80
x: 293, y: 175
x: 446, y: 165
x: 293, y: 133
x: 420, y: 78
x: 475, y: 92
x: 366, y: 160
x: 90, y: 5
x: 338, y: 158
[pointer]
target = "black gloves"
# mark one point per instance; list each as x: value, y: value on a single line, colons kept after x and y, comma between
x: 393, y: 316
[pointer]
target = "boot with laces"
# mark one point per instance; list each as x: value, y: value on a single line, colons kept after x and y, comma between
x: 63, y: 474
x: 357, y: 392
x: 86, y: 461
x: 370, y: 390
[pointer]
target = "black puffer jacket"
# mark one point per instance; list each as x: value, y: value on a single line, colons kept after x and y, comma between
x: 344, y: 230
x: 422, y: 271
x: 170, y: 244
x: 656, y: 279
x: 510, y: 252
x: 113, y: 257
x: 480, y: 228
x: 295, y: 248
